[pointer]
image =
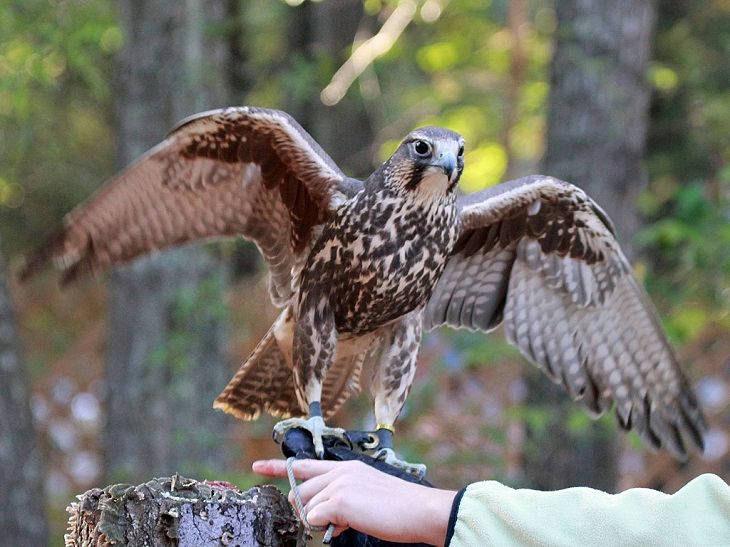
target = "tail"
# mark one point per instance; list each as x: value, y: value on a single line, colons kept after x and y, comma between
x: 265, y: 382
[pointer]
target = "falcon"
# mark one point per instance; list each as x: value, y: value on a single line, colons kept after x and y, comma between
x: 360, y: 268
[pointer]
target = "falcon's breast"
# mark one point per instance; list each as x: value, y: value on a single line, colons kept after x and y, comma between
x: 380, y: 257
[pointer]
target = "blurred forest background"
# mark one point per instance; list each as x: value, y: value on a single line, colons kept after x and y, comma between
x: 112, y: 379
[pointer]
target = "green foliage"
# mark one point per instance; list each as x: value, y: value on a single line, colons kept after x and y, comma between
x: 687, y: 237
x: 55, y: 84
x: 475, y: 349
x: 460, y: 70
x: 535, y: 418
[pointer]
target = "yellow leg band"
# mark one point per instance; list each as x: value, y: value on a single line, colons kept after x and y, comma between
x: 385, y: 426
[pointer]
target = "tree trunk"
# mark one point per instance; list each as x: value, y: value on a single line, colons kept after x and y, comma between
x: 22, y: 513
x: 599, y: 103
x: 597, y: 126
x: 325, y: 31
x: 166, y: 352
x: 181, y: 512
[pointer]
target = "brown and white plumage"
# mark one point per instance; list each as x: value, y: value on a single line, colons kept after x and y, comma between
x: 265, y: 383
x: 248, y: 172
x: 539, y: 255
x: 359, y: 267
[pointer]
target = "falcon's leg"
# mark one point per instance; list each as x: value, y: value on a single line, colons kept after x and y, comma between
x: 313, y: 352
x: 391, y: 384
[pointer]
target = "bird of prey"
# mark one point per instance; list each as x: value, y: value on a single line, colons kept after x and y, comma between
x: 360, y: 268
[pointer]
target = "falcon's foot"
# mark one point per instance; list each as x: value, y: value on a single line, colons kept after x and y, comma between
x: 378, y: 444
x: 388, y: 456
x: 316, y: 427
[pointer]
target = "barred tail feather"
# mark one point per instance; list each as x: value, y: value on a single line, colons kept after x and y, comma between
x: 343, y: 380
x: 264, y: 383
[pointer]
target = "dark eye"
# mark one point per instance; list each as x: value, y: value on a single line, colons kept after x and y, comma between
x: 461, y: 150
x: 422, y: 148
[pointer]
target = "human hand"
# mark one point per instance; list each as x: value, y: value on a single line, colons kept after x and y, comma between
x: 354, y: 495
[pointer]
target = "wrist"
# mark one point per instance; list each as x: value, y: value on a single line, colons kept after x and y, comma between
x: 436, y: 510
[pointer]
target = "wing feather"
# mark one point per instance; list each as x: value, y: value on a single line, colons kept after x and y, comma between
x: 236, y: 171
x: 542, y: 255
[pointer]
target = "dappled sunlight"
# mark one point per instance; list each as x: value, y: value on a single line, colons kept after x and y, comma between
x: 478, y: 68
x: 486, y: 167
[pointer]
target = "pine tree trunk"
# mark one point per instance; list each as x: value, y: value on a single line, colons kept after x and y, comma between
x: 597, y: 126
x: 22, y: 512
x: 166, y: 352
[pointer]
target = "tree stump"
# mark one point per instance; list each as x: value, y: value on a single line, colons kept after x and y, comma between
x: 177, y: 511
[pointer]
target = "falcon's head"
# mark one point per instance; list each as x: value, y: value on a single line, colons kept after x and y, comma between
x: 428, y: 161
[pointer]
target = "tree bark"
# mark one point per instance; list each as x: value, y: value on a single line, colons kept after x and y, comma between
x: 181, y: 512
x: 22, y: 513
x: 324, y: 32
x: 599, y: 103
x: 166, y: 351
x: 597, y: 126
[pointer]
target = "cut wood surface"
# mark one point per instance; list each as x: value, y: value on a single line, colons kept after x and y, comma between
x: 181, y: 512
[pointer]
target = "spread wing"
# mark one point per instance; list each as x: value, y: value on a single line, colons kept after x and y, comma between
x: 236, y: 171
x: 540, y: 255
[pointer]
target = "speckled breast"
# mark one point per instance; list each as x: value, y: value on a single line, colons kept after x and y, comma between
x: 386, y: 254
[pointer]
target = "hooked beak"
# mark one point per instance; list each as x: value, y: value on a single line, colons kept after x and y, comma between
x: 447, y: 162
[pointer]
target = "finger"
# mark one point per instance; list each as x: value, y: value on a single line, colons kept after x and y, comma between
x: 326, y: 511
x: 310, y: 488
x: 270, y: 468
x: 338, y: 530
x: 319, y: 497
x: 326, y: 499
x: 303, y: 469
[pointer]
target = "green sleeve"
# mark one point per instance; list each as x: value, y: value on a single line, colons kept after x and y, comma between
x: 489, y: 513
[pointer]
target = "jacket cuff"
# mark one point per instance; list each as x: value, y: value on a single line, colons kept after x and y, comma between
x: 453, y: 515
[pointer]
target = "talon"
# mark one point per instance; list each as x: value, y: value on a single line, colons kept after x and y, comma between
x: 388, y: 456
x: 316, y: 427
x: 317, y: 431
